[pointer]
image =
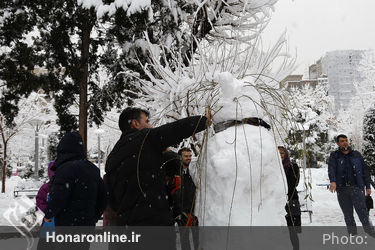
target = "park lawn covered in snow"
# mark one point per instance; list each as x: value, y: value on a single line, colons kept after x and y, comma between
x: 326, y: 210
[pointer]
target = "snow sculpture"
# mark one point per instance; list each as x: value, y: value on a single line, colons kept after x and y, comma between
x: 242, y: 182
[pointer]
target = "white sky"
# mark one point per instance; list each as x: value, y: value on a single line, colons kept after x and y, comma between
x: 317, y: 26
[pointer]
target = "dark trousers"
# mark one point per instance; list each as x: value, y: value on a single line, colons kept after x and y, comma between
x: 349, y: 197
x: 293, y: 236
x: 293, y: 221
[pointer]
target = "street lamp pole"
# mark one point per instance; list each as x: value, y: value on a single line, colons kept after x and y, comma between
x: 99, y: 132
x: 99, y: 152
x: 36, y: 123
x: 36, y: 157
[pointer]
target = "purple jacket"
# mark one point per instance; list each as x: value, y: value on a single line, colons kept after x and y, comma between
x: 41, y: 197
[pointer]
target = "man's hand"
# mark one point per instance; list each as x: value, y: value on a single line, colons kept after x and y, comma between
x: 332, y: 187
x: 368, y: 191
x: 47, y: 220
x: 208, y: 116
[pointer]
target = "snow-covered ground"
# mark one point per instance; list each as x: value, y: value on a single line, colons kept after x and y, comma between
x: 325, y: 207
x: 16, y: 206
x: 326, y: 210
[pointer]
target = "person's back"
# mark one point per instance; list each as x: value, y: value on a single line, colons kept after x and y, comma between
x: 77, y: 192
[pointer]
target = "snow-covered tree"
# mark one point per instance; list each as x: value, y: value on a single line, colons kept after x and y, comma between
x: 350, y: 122
x: 237, y: 79
x: 369, y: 140
x: 36, y: 106
x: 88, y: 52
x: 52, y: 143
x: 312, y: 109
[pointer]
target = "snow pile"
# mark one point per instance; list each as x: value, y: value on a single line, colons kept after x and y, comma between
x: 244, y: 182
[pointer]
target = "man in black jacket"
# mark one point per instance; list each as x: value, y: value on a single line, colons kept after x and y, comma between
x: 136, y: 177
x: 187, y: 219
x: 77, y: 192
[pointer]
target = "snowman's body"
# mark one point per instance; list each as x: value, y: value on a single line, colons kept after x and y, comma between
x: 243, y: 182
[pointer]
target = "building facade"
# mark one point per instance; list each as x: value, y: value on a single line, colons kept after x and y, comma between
x: 342, y: 69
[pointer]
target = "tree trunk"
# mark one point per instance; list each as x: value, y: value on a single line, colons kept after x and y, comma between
x: 83, y: 84
x: 4, y: 155
x: 3, y: 169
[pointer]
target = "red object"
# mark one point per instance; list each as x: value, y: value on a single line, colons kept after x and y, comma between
x: 176, y: 183
x: 189, y: 221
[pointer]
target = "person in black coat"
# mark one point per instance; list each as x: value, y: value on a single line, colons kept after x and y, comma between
x: 292, y: 207
x: 77, y: 192
x: 136, y: 178
x: 172, y: 165
x: 182, y: 195
x: 187, y: 220
x: 180, y: 185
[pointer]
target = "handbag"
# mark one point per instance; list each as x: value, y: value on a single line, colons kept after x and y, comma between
x: 293, y: 207
x: 369, y: 202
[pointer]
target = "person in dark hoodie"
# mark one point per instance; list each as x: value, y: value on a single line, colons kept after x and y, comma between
x: 77, y: 192
x: 135, y: 174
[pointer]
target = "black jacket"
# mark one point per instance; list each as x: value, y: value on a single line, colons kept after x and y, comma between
x: 292, y: 177
x: 188, y: 195
x: 136, y: 177
x: 182, y: 196
x: 77, y: 192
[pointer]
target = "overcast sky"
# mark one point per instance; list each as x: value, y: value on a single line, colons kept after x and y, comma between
x: 317, y: 26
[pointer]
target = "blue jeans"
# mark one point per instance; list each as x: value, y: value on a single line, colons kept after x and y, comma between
x: 349, y: 197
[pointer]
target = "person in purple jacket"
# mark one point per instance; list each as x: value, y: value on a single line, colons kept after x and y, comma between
x: 41, y: 197
x: 41, y: 204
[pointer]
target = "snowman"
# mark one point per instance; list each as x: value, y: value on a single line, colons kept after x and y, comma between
x: 242, y: 181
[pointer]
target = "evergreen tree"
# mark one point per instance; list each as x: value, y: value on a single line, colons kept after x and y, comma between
x: 313, y: 116
x: 28, y: 172
x: 9, y: 170
x: 369, y: 140
x: 94, y: 53
x: 52, y: 146
x: 63, y: 47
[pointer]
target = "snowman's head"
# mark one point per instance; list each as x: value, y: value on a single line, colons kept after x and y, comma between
x: 237, y: 100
